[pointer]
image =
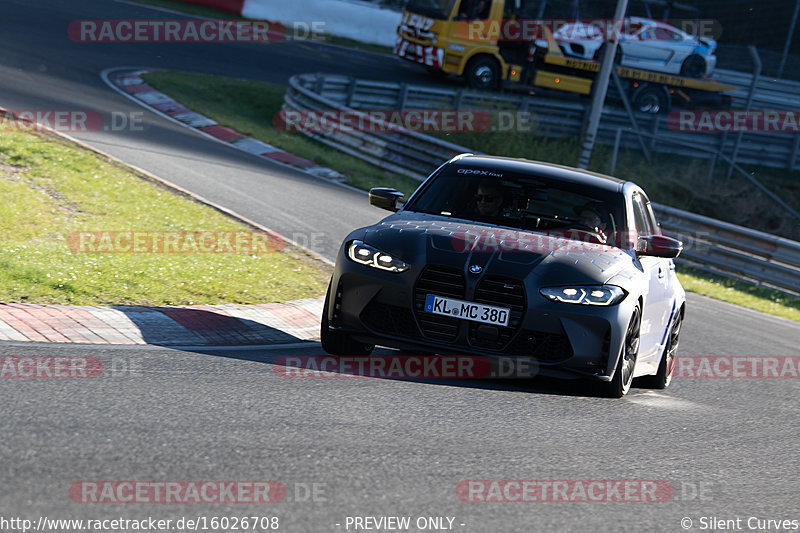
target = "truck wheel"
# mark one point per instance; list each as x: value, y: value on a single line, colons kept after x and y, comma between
x: 693, y: 66
x: 482, y: 72
x: 650, y: 99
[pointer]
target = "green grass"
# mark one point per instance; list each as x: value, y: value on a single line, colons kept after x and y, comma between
x: 739, y: 293
x: 248, y: 107
x: 50, y: 188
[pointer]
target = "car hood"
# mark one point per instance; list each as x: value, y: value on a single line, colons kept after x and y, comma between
x: 421, y: 239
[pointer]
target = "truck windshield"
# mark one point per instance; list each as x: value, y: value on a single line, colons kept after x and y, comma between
x: 438, y: 9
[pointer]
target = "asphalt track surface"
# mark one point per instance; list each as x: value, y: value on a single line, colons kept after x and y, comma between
x: 379, y: 447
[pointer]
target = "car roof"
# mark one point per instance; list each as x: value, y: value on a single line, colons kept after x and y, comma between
x: 541, y: 169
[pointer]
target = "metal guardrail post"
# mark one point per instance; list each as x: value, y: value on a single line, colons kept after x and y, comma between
x: 351, y: 91
x: 615, y: 152
x: 723, y: 139
x: 756, y: 75
x: 656, y: 122
x: 459, y: 97
x: 402, y: 97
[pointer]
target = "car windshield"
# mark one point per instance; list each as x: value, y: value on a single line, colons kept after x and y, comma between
x: 438, y: 9
x: 520, y: 201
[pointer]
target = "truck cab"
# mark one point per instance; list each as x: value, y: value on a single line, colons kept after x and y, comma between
x: 439, y: 35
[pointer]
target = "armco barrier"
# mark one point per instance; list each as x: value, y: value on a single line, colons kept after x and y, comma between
x: 553, y: 117
x: 771, y: 93
x: 712, y: 245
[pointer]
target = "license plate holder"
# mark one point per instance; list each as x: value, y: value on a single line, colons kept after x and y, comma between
x: 473, y: 311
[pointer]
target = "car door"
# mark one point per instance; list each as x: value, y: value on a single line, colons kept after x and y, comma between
x: 653, y: 47
x: 666, y: 274
x: 656, y: 271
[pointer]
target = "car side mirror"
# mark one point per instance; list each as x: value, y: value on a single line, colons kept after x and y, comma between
x: 660, y: 246
x: 385, y: 198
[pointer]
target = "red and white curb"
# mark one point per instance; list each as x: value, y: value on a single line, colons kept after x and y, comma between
x: 132, y: 85
x: 200, y: 325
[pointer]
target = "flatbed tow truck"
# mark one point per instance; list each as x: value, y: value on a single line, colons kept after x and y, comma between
x: 440, y: 41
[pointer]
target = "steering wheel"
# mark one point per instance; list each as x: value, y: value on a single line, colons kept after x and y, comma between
x: 601, y: 239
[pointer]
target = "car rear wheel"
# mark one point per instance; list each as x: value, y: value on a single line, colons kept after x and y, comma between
x: 663, y: 377
x: 693, y: 66
x: 598, y: 56
x: 620, y: 384
x: 482, y: 72
x: 338, y: 342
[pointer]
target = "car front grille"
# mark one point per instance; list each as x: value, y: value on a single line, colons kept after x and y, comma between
x: 442, y: 281
x: 499, y: 292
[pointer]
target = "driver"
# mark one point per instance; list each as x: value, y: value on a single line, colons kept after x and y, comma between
x: 591, y: 216
x: 488, y: 199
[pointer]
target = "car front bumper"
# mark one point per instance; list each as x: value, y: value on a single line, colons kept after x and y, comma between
x: 557, y: 339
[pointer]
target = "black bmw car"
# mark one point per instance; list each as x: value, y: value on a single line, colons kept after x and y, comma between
x: 514, y: 260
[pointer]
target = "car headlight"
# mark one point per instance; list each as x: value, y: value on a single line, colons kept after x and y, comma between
x: 585, y: 294
x: 369, y: 255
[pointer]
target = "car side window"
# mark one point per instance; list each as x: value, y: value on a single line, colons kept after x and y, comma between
x: 640, y: 216
x: 651, y: 216
x: 664, y: 34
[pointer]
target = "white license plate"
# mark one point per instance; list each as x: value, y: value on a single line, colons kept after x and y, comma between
x: 488, y: 314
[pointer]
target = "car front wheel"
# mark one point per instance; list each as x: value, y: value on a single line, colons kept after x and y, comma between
x: 663, y: 376
x: 337, y: 342
x: 693, y: 66
x: 620, y: 384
